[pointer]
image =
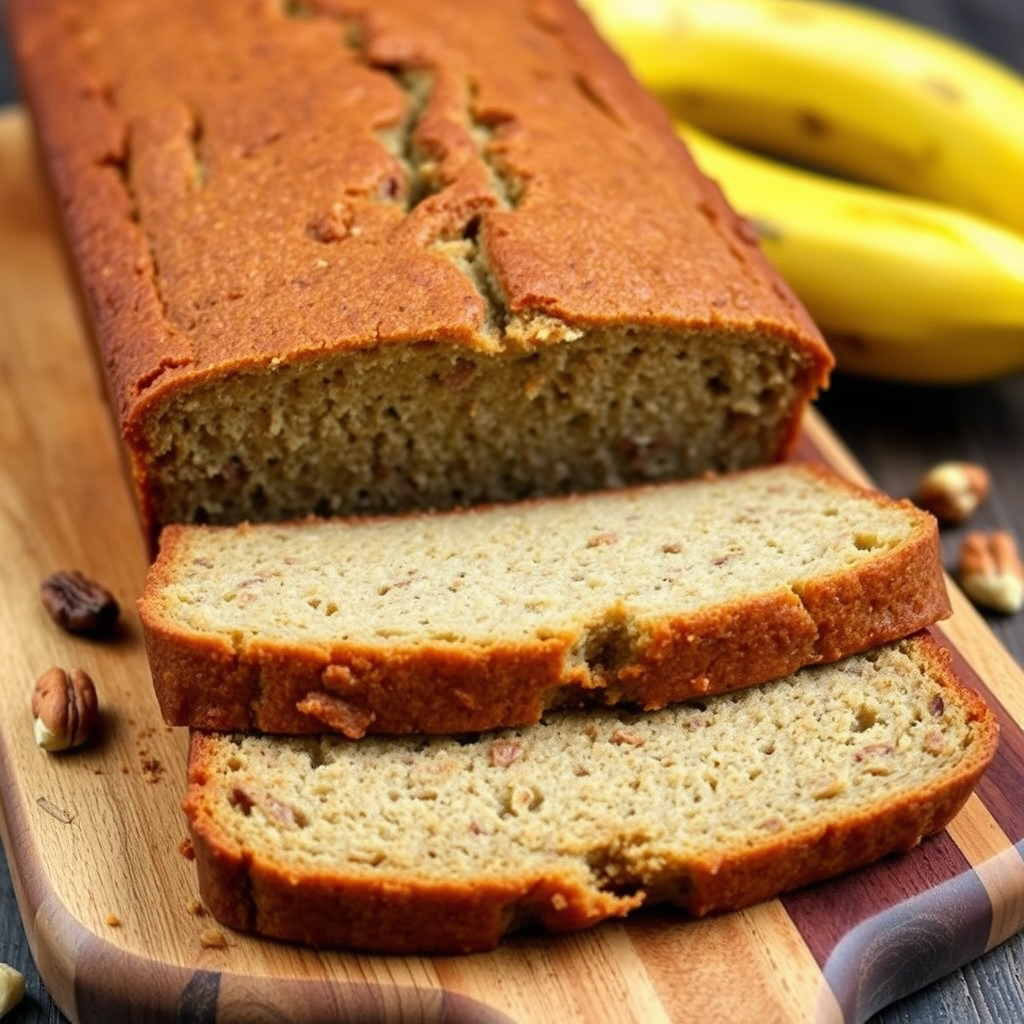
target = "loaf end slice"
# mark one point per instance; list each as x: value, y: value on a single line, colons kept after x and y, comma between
x: 478, y: 619
x: 337, y: 260
x: 446, y: 844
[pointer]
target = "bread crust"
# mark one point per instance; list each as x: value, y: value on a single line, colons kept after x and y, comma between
x: 248, y: 890
x: 212, y: 680
x: 201, y: 263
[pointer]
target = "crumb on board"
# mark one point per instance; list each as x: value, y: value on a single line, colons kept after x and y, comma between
x: 152, y: 768
x: 113, y: 921
x: 212, y: 938
x: 195, y: 908
x: 186, y: 849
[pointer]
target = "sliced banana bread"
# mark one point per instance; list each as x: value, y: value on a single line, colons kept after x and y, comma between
x: 444, y: 844
x: 477, y: 619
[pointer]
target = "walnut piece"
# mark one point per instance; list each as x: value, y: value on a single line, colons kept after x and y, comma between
x: 12, y: 988
x: 65, y: 709
x: 504, y: 753
x: 521, y: 798
x: 336, y: 713
x: 627, y: 736
x: 952, y: 491
x: 79, y: 604
x: 990, y: 571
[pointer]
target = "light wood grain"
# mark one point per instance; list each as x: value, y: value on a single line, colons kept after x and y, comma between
x: 93, y: 837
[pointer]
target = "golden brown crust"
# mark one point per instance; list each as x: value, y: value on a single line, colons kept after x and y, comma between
x: 249, y: 891
x: 203, y: 679
x: 176, y: 161
x: 138, y: 143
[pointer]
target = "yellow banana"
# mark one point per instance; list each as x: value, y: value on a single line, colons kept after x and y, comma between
x: 847, y: 89
x: 903, y: 288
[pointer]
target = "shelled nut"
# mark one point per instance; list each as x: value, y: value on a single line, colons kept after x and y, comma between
x: 79, y: 604
x: 990, y: 571
x: 65, y: 709
x: 952, y: 491
x: 12, y: 988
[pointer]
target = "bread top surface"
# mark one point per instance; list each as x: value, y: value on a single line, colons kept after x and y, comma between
x: 252, y: 182
x: 520, y: 573
x: 604, y: 800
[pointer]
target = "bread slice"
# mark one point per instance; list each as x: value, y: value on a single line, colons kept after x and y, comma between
x: 478, y: 619
x: 444, y: 844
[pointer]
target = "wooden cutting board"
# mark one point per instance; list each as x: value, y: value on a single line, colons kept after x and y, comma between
x: 93, y: 838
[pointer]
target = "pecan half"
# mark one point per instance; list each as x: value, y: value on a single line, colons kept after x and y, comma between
x: 79, y: 604
x: 65, y: 709
x: 990, y: 571
x: 952, y: 491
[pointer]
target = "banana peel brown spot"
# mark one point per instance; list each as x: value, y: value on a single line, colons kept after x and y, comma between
x: 813, y: 123
x: 944, y: 89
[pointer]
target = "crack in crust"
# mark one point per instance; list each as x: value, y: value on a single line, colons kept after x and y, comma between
x: 425, y: 162
x: 430, y: 160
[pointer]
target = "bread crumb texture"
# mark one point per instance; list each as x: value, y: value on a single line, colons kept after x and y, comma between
x: 597, y: 568
x: 341, y: 258
x: 473, y: 619
x: 709, y: 804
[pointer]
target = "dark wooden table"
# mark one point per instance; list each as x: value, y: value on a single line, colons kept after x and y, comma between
x: 897, y: 432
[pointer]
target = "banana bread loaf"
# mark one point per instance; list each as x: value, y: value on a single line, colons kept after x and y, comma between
x: 444, y: 844
x: 346, y: 257
x: 477, y: 618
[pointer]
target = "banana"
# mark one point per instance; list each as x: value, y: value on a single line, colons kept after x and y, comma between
x: 903, y: 288
x: 846, y: 89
